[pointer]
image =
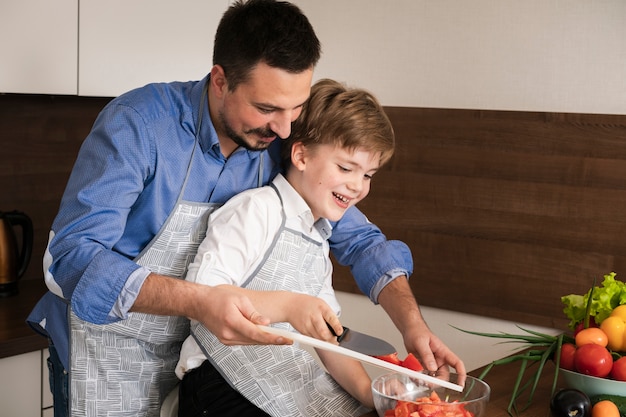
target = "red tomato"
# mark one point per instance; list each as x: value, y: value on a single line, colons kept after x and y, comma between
x: 618, y: 372
x: 594, y: 360
x: 567, y: 356
x: 391, y: 358
x: 411, y: 362
x: 593, y: 335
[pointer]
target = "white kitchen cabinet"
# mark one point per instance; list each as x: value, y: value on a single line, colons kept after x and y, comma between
x: 39, y: 46
x: 20, y: 395
x: 126, y: 44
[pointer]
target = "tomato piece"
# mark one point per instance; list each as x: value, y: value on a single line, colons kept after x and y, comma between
x: 391, y: 358
x: 594, y: 360
x: 567, y: 356
x: 431, y: 406
x: 404, y: 409
x: 411, y: 362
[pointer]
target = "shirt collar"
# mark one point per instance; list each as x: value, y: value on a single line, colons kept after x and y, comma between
x: 293, y: 203
x: 296, y: 208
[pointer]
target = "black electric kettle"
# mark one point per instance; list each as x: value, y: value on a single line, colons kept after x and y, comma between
x: 13, y: 259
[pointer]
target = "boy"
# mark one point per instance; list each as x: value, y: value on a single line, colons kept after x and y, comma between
x: 274, y: 240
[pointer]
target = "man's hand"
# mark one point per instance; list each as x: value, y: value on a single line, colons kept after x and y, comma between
x: 399, y: 303
x: 231, y: 317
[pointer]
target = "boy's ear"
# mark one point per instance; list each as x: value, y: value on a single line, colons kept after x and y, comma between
x: 298, y: 155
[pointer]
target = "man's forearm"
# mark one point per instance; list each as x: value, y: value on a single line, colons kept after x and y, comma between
x: 168, y: 296
x: 398, y: 301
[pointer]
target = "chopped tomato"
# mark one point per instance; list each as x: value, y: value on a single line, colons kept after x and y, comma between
x: 411, y: 362
x: 391, y: 358
x: 431, y: 406
x: 405, y: 409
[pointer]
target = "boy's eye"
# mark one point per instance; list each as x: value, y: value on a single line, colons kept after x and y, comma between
x: 368, y: 176
x: 343, y: 169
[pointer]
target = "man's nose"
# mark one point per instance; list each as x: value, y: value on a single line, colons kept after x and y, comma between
x: 281, y: 124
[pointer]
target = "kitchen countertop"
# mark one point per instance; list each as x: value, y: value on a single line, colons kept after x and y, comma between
x: 501, y: 379
x: 16, y: 337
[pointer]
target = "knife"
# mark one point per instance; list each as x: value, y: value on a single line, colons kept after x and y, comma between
x: 363, y: 343
x: 321, y: 344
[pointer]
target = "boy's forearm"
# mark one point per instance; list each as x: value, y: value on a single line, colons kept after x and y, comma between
x: 350, y: 374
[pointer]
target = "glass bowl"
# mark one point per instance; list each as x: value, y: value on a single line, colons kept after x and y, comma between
x: 390, y: 388
x: 592, y: 385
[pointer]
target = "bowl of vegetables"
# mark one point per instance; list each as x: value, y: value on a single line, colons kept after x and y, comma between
x: 590, y: 356
x: 397, y: 394
x: 595, y: 363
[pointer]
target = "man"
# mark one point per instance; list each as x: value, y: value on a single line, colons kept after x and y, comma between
x: 158, y: 160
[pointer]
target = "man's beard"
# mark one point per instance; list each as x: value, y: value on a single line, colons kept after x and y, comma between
x: 241, y: 141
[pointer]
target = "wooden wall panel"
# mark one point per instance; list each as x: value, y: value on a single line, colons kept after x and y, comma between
x: 504, y: 212
x: 39, y: 139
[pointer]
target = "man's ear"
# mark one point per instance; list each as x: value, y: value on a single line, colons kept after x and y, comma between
x: 298, y: 155
x: 218, y: 81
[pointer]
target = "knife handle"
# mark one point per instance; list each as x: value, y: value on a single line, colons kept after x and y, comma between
x: 339, y: 338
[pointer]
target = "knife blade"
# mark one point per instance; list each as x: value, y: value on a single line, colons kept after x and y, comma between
x: 363, y: 343
x: 321, y: 344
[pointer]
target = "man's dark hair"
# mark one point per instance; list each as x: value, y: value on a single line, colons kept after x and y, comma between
x: 276, y: 33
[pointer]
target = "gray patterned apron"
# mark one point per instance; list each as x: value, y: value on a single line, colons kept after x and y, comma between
x: 282, y: 380
x: 126, y: 368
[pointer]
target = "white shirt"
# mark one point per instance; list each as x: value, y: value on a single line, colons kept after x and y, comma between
x: 238, y: 236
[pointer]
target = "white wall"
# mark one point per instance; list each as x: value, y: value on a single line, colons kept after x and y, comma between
x: 475, y: 351
x: 530, y: 55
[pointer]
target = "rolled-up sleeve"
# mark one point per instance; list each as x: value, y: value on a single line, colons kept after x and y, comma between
x: 110, y: 172
x: 373, y: 260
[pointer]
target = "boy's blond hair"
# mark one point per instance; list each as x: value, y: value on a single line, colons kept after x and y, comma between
x: 350, y: 118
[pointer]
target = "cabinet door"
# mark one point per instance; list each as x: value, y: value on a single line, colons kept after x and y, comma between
x: 20, y: 395
x: 126, y: 44
x: 39, y: 46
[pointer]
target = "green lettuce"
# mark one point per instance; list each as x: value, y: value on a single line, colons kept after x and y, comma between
x: 605, y: 298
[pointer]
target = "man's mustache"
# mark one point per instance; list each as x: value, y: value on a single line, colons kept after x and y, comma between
x: 265, y: 133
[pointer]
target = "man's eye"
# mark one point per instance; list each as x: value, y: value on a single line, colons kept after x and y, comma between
x: 264, y: 110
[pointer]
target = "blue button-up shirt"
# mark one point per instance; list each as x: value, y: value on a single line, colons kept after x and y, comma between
x: 127, y: 178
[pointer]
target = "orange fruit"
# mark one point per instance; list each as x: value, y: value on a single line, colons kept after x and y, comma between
x: 593, y: 335
x: 605, y: 408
